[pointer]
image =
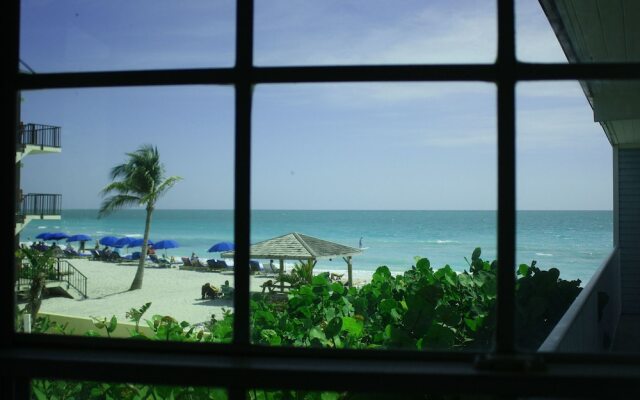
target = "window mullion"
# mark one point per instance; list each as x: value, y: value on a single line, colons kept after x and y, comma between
x: 505, y: 324
x: 242, y: 213
x: 10, y: 28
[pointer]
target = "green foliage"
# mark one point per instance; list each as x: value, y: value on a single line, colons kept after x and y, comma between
x: 301, y: 274
x: 46, y: 390
x: 422, y: 309
x: 109, y: 326
x: 38, y: 266
x: 135, y: 315
x: 45, y: 325
x: 542, y: 298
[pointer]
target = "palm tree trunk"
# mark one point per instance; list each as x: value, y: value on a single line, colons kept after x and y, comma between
x: 137, y: 280
x: 35, y: 294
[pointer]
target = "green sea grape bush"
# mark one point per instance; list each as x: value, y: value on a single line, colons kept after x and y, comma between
x: 422, y: 309
x: 48, y: 390
x: 542, y: 298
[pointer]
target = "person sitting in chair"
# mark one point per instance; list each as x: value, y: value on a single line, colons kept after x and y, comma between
x: 106, y: 253
x: 209, y: 291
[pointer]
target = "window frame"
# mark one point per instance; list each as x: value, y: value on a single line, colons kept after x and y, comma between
x: 240, y: 366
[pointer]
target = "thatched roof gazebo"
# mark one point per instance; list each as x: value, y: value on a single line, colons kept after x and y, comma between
x: 300, y: 247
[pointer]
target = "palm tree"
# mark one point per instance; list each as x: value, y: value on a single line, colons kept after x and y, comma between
x: 141, y: 183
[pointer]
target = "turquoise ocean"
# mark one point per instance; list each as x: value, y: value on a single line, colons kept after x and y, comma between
x: 576, y: 242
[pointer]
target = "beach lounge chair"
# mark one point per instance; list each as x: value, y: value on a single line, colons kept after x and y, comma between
x: 213, y: 264
x: 273, y: 268
x: 159, y: 261
x: 196, y: 262
x: 255, y: 266
x: 132, y: 257
x: 217, y: 264
x: 97, y: 255
x: 186, y: 261
x: 71, y: 253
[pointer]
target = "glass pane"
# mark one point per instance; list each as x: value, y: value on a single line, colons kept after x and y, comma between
x: 87, y: 390
x: 71, y: 142
x: 565, y: 218
x: 119, y: 35
x: 352, y: 185
x: 577, y: 31
x: 374, y: 32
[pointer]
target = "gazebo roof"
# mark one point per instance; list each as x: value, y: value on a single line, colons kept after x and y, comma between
x: 297, y: 246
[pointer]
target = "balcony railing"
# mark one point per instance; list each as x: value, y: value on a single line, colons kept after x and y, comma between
x: 40, y: 204
x: 62, y: 271
x: 39, y: 135
x: 590, y: 322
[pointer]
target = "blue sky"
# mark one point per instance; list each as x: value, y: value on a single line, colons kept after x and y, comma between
x: 338, y: 146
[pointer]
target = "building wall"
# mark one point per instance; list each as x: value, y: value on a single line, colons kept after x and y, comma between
x: 628, y: 227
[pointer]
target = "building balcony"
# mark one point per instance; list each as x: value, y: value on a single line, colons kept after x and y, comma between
x: 37, y: 139
x: 38, y: 206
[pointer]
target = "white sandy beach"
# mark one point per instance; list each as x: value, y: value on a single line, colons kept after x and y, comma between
x: 171, y: 291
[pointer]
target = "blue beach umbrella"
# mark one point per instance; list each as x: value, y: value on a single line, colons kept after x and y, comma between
x: 43, y: 236
x: 122, y: 242
x: 108, y: 240
x: 57, y: 236
x: 220, y: 247
x: 79, y: 238
x: 166, y: 244
x: 138, y: 242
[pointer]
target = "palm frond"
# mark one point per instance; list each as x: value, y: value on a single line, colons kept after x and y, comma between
x: 167, y: 184
x: 117, y: 202
x: 122, y: 187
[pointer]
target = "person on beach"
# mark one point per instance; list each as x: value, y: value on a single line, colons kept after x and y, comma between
x: 106, y: 253
x: 360, y: 243
x: 150, y: 250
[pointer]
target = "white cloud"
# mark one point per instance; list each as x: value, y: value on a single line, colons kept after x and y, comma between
x: 558, y: 127
x: 535, y: 40
x: 427, y: 35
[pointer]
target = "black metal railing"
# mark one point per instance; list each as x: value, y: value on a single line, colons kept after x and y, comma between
x: 62, y: 271
x: 40, y: 204
x: 39, y: 135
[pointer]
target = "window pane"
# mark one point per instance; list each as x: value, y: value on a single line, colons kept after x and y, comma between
x: 87, y: 133
x: 118, y: 35
x: 376, y: 176
x: 565, y: 218
x: 54, y: 389
x: 578, y: 31
x: 374, y: 32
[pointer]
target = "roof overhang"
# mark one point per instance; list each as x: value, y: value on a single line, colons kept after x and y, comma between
x: 600, y: 32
